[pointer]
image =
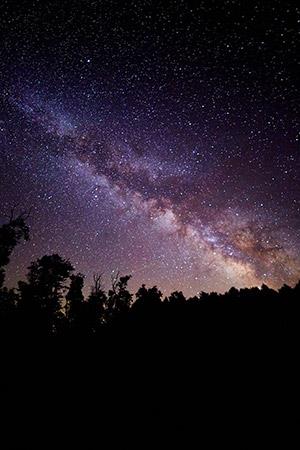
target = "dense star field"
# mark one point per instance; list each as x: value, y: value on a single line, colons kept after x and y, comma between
x: 156, y: 138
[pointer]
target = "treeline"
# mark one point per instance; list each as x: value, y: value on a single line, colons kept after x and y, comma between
x: 112, y: 364
x: 51, y: 302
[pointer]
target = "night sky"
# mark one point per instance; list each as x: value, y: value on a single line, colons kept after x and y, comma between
x: 156, y: 138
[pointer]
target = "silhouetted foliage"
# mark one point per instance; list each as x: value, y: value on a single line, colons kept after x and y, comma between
x: 96, y: 304
x: 176, y: 298
x: 42, y: 294
x: 11, y: 234
x: 119, y: 298
x: 75, y: 300
x: 148, y: 299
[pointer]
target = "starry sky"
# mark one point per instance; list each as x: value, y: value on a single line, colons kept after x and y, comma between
x: 156, y: 138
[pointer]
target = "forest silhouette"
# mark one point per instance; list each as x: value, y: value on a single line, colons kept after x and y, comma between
x: 143, y: 360
x: 51, y: 302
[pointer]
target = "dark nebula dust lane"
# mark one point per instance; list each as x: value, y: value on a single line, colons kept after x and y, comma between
x: 156, y: 138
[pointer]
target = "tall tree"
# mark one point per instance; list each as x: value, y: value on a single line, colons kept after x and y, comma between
x: 119, y: 298
x: 147, y: 299
x: 75, y: 299
x: 11, y: 233
x: 96, y: 304
x: 177, y: 298
x: 42, y: 294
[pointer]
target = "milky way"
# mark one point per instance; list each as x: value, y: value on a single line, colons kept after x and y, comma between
x: 160, y: 139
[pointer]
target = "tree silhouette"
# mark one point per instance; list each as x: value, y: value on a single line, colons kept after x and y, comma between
x: 148, y: 298
x: 75, y: 301
x: 119, y: 298
x: 96, y: 304
x: 147, y: 304
x: 176, y: 298
x: 11, y: 234
x: 41, y: 296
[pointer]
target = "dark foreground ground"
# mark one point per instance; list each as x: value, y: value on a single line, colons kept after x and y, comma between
x: 225, y: 378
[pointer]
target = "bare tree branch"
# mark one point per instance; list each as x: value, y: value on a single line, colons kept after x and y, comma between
x: 97, y: 278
